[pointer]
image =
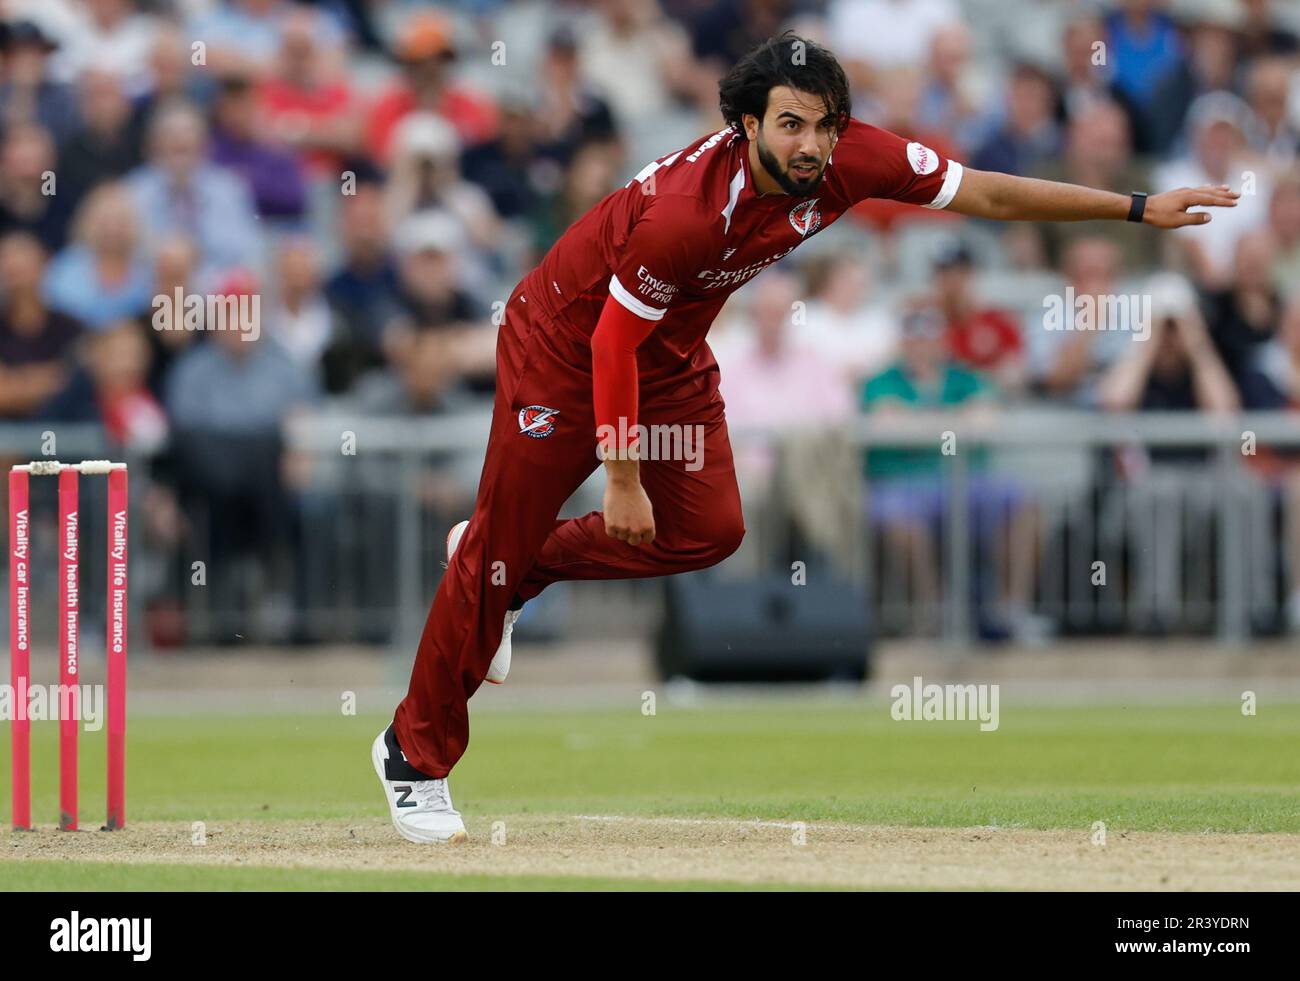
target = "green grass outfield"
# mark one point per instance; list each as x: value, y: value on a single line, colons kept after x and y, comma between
x: 1187, y: 768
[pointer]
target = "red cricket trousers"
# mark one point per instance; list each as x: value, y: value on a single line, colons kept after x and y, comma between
x: 515, y: 545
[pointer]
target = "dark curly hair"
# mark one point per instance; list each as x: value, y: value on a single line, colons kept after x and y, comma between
x: 785, y: 60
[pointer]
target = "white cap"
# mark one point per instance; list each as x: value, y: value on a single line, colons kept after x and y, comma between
x: 1172, y: 295
x: 424, y: 134
x: 428, y: 230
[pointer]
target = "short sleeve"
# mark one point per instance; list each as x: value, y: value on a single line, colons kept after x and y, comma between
x: 889, y: 384
x: 974, y: 385
x: 875, y: 163
x: 666, y: 250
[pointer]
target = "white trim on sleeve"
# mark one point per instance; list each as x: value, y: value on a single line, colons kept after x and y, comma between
x: 619, y: 292
x: 951, y: 181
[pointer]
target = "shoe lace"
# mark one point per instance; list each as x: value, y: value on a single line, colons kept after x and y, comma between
x: 433, y: 795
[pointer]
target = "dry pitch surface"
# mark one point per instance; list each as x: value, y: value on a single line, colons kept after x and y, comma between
x: 667, y: 851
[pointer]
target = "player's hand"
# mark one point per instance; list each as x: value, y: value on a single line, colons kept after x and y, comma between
x: 628, y: 515
x: 1169, y: 210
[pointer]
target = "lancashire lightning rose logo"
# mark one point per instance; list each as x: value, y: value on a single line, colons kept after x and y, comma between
x: 805, y: 218
x: 537, y: 421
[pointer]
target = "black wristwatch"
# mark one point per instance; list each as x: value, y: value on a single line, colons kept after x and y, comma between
x: 1139, y: 206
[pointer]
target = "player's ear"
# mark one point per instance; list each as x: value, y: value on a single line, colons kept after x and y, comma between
x: 751, y: 123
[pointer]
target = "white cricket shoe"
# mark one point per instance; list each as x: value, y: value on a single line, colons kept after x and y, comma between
x: 500, y: 666
x: 421, y: 808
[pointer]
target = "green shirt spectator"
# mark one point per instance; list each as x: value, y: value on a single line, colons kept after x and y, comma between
x: 952, y: 385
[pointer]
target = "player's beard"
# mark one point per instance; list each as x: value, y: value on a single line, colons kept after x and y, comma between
x: 789, y: 184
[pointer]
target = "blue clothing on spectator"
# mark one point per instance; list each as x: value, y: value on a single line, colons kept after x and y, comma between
x: 72, y: 286
x: 1011, y: 153
x: 212, y: 390
x: 216, y: 212
x: 55, y: 107
x: 1141, y: 61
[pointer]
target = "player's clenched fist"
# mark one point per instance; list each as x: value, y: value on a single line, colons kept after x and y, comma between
x: 628, y: 515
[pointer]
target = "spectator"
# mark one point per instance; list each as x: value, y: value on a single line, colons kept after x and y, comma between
x: 766, y: 357
x: 1164, y: 492
x: 178, y: 192
x: 907, y: 497
x: 104, y: 274
x: 592, y: 174
x: 631, y: 56
x: 111, y: 388
x: 113, y: 36
x: 1218, y: 124
x: 1246, y: 314
x: 1099, y: 153
x: 426, y: 175
x: 108, y: 145
x: 363, y: 293
x: 1066, y: 359
x: 239, y: 382
x: 243, y: 36
x: 1262, y: 35
x: 169, y: 70
x: 35, y: 341
x: 28, y: 93
x: 949, y: 103
x: 1029, y: 135
x: 228, y: 400
x: 426, y: 53
x: 1088, y: 77
x: 1178, y: 368
x: 307, y: 101
x: 425, y: 381
x: 29, y: 198
x: 1276, y: 138
x: 722, y: 31
x: 274, y: 176
x: 979, y: 337
x: 872, y: 36
x: 514, y: 168
x: 431, y: 299
x: 175, y: 266
x: 1277, y: 366
x: 1284, y: 223
x: 1211, y: 66
x: 568, y: 111
x: 843, y: 323
x: 769, y: 360
x: 1145, y: 47
x: 300, y: 319
x: 1276, y: 363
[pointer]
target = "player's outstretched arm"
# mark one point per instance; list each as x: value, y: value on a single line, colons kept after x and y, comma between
x: 1002, y: 197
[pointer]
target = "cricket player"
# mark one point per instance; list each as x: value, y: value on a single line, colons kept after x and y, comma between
x: 604, y: 341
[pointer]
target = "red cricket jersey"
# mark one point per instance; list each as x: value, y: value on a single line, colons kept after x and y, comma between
x: 690, y: 229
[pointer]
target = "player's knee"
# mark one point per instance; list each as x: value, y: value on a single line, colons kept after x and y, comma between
x: 727, y: 536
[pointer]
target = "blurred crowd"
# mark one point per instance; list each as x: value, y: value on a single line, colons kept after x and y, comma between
x: 380, y: 173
